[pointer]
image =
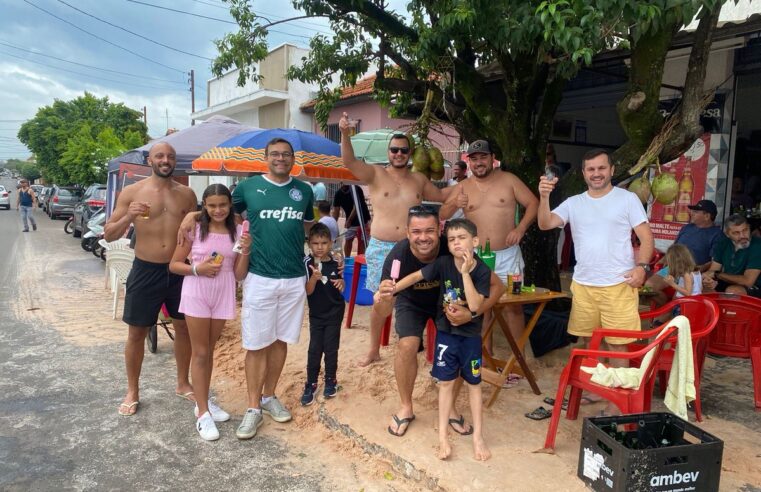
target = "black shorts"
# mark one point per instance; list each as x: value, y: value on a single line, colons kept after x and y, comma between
x: 411, y: 320
x: 150, y: 285
x: 456, y: 355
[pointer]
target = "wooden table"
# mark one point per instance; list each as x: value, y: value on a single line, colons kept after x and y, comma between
x: 489, y: 372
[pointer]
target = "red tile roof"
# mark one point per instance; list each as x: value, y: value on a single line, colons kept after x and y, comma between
x: 362, y: 87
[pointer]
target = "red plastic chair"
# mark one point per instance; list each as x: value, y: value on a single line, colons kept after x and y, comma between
x: 703, y: 314
x: 738, y: 333
x: 627, y: 400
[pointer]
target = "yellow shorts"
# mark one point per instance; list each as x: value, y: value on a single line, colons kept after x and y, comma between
x: 616, y: 307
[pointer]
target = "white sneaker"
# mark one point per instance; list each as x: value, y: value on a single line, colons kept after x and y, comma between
x: 217, y: 413
x: 206, y: 427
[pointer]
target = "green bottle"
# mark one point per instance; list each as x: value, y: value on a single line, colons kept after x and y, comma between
x: 487, y: 252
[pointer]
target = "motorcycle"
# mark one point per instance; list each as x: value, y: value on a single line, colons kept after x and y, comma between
x: 95, y: 227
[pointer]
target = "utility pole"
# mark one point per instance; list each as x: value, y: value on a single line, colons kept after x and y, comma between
x: 167, y: 119
x: 192, y: 95
x: 145, y: 115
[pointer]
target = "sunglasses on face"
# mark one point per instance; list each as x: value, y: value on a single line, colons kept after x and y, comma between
x: 396, y: 150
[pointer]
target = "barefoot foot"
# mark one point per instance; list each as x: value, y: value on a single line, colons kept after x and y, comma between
x: 480, y: 450
x: 445, y: 450
x: 368, y: 359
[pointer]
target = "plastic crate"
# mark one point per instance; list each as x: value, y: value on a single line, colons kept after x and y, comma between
x: 656, y: 452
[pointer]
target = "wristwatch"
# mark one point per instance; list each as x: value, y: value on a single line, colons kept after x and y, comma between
x: 474, y: 315
x: 645, y: 267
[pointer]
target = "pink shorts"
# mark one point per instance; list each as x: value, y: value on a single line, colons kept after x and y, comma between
x: 206, y: 297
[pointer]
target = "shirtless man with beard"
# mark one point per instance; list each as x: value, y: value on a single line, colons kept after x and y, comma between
x: 393, y: 191
x: 489, y: 198
x: 156, y: 206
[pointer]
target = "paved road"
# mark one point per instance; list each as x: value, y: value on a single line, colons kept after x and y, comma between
x: 58, y: 424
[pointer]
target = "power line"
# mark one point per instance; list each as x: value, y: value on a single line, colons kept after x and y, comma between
x: 87, y: 74
x: 103, y: 39
x: 184, y: 12
x: 133, y: 33
x: 225, y: 21
x: 90, y: 66
x: 212, y: 4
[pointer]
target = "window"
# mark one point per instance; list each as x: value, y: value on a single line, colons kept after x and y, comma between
x: 332, y: 133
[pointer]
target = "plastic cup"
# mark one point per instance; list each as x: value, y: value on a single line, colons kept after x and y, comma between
x: 147, y: 213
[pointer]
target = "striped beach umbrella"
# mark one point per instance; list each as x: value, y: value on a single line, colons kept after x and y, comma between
x: 316, y: 157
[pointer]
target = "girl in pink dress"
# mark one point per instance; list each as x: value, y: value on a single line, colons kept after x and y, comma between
x: 208, y: 293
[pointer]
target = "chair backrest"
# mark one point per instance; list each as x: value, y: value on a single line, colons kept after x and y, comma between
x: 119, y: 254
x: 702, y: 311
x: 739, y: 321
x: 648, y: 366
x: 119, y: 244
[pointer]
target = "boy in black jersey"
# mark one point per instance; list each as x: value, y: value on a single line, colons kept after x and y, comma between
x: 463, y: 279
x: 326, y: 311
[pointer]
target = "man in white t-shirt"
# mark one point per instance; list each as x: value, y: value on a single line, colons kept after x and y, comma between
x: 607, y: 275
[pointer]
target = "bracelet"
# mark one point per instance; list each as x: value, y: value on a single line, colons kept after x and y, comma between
x: 245, y: 253
x: 195, y: 272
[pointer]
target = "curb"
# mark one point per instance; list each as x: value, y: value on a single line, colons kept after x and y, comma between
x: 401, y: 465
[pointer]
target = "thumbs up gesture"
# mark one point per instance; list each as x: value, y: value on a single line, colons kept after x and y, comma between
x: 462, y: 198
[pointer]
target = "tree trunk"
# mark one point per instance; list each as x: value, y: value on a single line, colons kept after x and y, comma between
x: 638, y: 110
x: 693, y: 98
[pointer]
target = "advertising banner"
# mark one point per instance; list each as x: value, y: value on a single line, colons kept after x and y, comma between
x: 689, y: 170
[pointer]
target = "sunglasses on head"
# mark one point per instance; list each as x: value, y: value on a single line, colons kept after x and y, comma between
x: 423, y: 210
x: 396, y: 150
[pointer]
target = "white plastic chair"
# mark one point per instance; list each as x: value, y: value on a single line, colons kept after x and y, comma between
x: 120, y: 266
x: 112, y: 249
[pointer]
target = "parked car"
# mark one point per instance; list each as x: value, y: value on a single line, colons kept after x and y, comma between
x: 42, y: 198
x: 93, y: 200
x: 62, y: 201
x: 37, y: 189
x: 5, y: 198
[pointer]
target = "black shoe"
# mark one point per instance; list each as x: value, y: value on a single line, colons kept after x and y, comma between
x: 308, y: 397
x: 34, y: 227
x: 331, y: 388
x: 26, y: 230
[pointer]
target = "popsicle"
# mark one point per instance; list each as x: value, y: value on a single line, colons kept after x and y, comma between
x: 395, y: 267
x: 237, y: 248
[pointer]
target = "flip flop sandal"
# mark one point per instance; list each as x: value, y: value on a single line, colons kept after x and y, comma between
x: 540, y: 413
x: 400, y: 422
x: 125, y: 409
x: 551, y: 401
x: 461, y: 423
x: 190, y: 396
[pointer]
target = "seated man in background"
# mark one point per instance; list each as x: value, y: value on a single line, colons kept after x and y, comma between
x: 700, y: 236
x: 736, y: 261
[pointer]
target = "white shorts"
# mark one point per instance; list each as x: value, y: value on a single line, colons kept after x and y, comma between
x: 508, y: 260
x: 273, y: 309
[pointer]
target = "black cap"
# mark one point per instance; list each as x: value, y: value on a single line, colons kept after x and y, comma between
x: 479, y: 146
x: 705, y: 206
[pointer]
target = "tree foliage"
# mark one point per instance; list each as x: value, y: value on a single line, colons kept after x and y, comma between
x: 71, y: 138
x: 30, y: 171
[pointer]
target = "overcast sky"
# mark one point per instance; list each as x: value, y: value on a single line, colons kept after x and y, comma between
x: 37, y: 51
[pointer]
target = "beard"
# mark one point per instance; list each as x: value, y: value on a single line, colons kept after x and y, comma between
x: 161, y: 174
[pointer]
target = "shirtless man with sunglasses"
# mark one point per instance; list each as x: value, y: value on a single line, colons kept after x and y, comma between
x: 393, y: 191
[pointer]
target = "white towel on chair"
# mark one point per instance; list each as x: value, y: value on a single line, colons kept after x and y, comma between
x: 681, y: 387
x: 631, y: 377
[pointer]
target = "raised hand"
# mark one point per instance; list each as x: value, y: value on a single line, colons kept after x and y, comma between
x: 316, y: 273
x: 468, y: 262
x: 462, y: 198
x: 344, y: 124
x: 546, y: 186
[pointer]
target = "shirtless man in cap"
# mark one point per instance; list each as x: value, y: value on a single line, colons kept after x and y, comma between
x: 156, y: 206
x: 393, y: 191
x: 489, y: 198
